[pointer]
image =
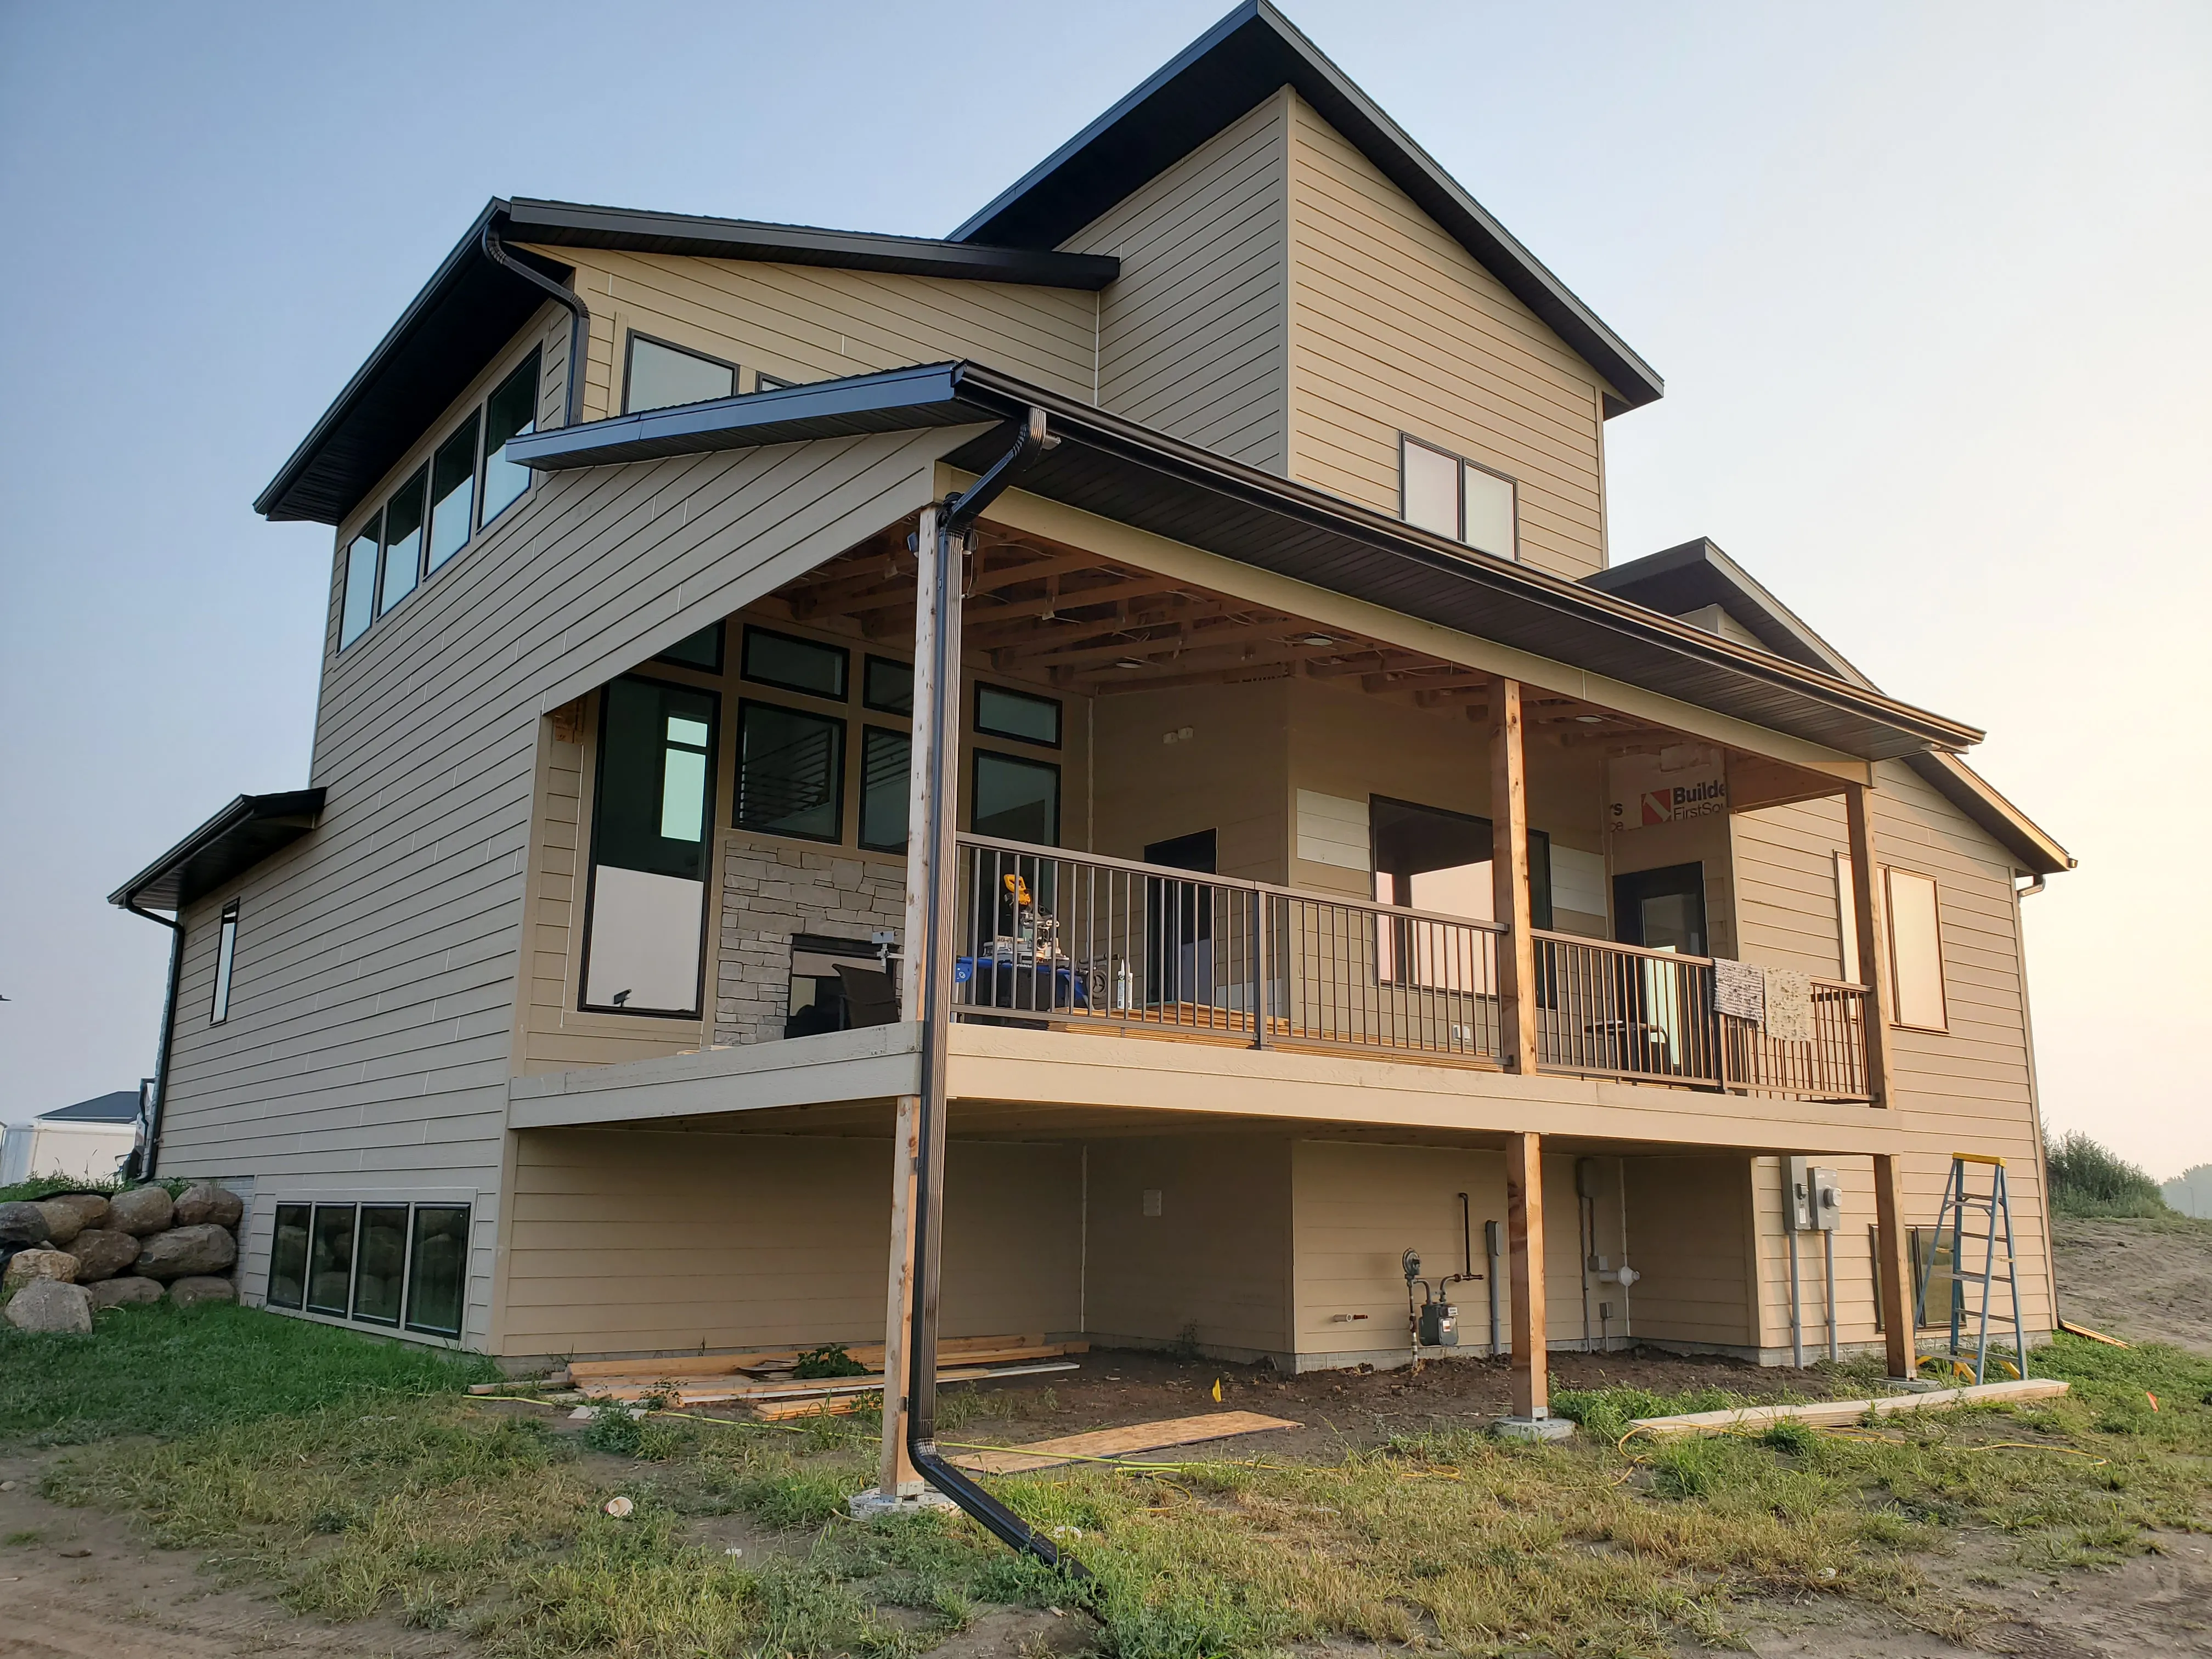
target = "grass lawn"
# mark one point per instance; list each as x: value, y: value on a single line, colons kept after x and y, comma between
x: 362, y: 1481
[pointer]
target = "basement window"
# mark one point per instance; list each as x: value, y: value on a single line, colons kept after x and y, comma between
x: 376, y: 1264
x: 225, y: 956
x: 288, y: 1257
x: 662, y: 376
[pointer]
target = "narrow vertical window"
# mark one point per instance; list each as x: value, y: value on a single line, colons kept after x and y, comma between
x: 381, y: 1271
x: 359, y: 607
x: 684, y: 779
x: 1916, y: 950
x: 288, y: 1257
x: 1847, y: 919
x: 226, y: 952
x: 511, y: 413
x: 438, y: 1273
x: 403, y: 540
x: 1489, y: 511
x: 453, y: 493
x: 330, y: 1260
x: 886, y: 767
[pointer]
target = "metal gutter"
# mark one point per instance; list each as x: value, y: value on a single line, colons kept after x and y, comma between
x: 579, y: 319
x: 144, y: 1159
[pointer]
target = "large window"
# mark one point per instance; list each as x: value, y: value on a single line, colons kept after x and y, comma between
x: 225, y: 956
x: 1458, y: 498
x: 378, y: 1264
x: 1017, y: 714
x: 1016, y: 799
x: 796, y: 665
x: 791, y: 772
x: 466, y: 483
x: 1916, y: 951
x: 662, y: 376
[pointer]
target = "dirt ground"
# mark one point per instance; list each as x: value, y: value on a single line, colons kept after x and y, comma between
x: 2148, y: 1281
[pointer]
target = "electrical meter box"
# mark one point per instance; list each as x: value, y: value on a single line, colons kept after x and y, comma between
x: 1827, y: 1200
x: 1812, y: 1199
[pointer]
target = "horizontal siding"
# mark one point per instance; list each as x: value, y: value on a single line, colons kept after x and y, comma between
x: 1689, y: 1237
x: 1395, y: 327
x: 1192, y: 336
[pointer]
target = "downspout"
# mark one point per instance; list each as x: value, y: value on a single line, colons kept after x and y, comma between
x: 144, y: 1170
x: 580, y: 320
x: 959, y: 513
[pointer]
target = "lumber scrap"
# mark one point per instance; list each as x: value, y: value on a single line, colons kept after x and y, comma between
x: 1835, y: 1413
x: 2072, y: 1329
x: 1117, y: 1443
x: 590, y: 1374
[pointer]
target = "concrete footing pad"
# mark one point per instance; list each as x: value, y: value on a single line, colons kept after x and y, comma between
x: 873, y: 1505
x: 1533, y: 1428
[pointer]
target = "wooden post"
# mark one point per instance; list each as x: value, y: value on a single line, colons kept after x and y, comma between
x: 897, y: 1477
x: 919, y: 853
x: 1508, y: 844
x: 1524, y: 1227
x: 1893, y: 1263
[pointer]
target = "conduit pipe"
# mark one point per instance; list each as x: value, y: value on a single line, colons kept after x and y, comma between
x: 580, y: 320
x: 953, y: 522
x: 143, y: 1164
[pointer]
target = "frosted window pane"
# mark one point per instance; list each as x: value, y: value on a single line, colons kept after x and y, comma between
x: 1431, y: 490
x: 1916, y: 950
x: 1489, y: 513
x: 683, y: 794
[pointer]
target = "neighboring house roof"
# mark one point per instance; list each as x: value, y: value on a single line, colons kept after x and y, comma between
x: 439, y: 343
x: 1122, y: 470
x: 1697, y: 573
x: 223, y: 848
x: 120, y: 1107
x: 1221, y: 75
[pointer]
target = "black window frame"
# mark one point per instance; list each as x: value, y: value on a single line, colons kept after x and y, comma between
x: 721, y: 629
x: 353, y: 1259
x: 533, y: 360
x: 842, y: 695
x: 870, y: 734
x: 1407, y: 439
x: 360, y: 1241
x: 1059, y: 716
x: 409, y: 1265
x: 975, y: 791
x: 276, y: 1245
x: 745, y: 706
x: 226, y: 964
x: 474, y: 421
x: 414, y: 1244
x: 771, y: 383
x: 870, y: 662
x: 631, y: 337
x: 370, y: 530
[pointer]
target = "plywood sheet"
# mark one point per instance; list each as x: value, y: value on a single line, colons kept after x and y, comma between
x: 1115, y: 1443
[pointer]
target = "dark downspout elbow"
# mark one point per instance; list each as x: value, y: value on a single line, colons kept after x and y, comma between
x: 580, y: 320
x: 144, y: 1159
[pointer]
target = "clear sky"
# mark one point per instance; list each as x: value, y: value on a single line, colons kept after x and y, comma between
x: 1928, y: 283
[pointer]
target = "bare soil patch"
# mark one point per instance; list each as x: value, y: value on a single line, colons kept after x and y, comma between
x: 2147, y: 1281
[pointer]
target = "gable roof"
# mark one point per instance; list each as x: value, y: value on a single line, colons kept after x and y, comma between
x: 1697, y: 573
x: 470, y: 307
x: 1217, y: 79
x: 119, y: 1106
x: 1118, y: 469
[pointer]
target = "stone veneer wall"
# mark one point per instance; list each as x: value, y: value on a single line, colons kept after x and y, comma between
x: 772, y: 889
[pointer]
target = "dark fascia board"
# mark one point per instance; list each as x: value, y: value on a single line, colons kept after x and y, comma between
x: 221, y: 850
x: 573, y: 224
x: 1120, y: 469
x: 1215, y: 81
x: 1698, y: 574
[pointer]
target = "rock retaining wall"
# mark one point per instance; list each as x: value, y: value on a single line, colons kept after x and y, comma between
x: 99, y: 1250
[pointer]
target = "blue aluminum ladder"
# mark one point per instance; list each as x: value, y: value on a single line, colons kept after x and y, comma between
x: 1992, y: 1210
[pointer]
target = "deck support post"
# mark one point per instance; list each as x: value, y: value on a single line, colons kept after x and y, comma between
x: 1524, y: 1229
x: 897, y: 1478
x: 1893, y: 1263
x: 1509, y: 874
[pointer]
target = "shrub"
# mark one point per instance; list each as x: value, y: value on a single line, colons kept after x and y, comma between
x: 2089, y: 1180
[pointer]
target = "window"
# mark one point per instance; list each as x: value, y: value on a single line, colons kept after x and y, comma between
x: 510, y: 412
x: 649, y: 847
x: 226, y: 955
x: 662, y: 376
x: 1929, y: 1246
x: 770, y: 383
x: 888, y: 685
x: 1453, y: 496
x: 790, y: 773
x: 1017, y: 714
x: 1847, y: 919
x: 288, y: 1257
x: 796, y: 665
x: 702, y: 650
x: 1916, y: 951
x: 886, y: 768
x: 453, y: 492
x: 359, y: 607
x: 371, y: 1262
x: 1427, y: 859
x: 403, y: 541
x: 1016, y: 799
x: 825, y: 974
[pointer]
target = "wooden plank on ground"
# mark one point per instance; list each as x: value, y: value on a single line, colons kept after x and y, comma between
x: 593, y: 1374
x: 1837, y: 1412
x: 1116, y: 1442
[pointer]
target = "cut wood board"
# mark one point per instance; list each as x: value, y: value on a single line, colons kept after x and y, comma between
x: 974, y: 1350
x: 1837, y: 1412
x: 754, y: 1394
x: 1118, y: 1443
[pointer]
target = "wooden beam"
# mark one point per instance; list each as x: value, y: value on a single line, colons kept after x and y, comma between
x: 1524, y: 1254
x: 1509, y: 865
x: 1893, y: 1268
x: 896, y: 1476
x: 1072, y: 598
x: 1249, y: 673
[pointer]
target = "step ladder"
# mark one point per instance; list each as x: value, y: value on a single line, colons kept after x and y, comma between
x: 1963, y: 1210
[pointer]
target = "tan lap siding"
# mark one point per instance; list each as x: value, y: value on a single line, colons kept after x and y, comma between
x: 1394, y: 327
x: 1191, y: 336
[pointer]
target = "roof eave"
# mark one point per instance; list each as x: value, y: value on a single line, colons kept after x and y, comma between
x: 297, y: 810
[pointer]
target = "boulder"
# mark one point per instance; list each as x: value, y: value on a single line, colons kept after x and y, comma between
x: 102, y: 1252
x: 130, y: 1290
x: 63, y: 1221
x: 142, y: 1211
x: 206, y: 1249
x: 22, y: 1224
x: 27, y: 1265
x: 205, y: 1202
x: 196, y: 1288
x: 51, y: 1304
x: 91, y: 1207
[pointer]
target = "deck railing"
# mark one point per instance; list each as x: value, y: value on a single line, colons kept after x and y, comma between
x: 1071, y: 939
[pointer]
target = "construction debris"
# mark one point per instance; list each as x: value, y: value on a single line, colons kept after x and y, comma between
x: 766, y: 1380
x: 1839, y: 1412
x: 1119, y: 1442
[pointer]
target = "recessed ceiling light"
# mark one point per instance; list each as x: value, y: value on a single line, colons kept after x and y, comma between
x: 1589, y: 719
x: 1131, y: 662
x: 1314, y: 639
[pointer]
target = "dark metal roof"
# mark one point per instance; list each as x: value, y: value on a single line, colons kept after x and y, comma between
x: 120, y: 1107
x: 573, y: 224
x: 1122, y: 470
x: 471, y: 307
x: 1215, y: 81
x: 1698, y: 574
x: 221, y: 850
